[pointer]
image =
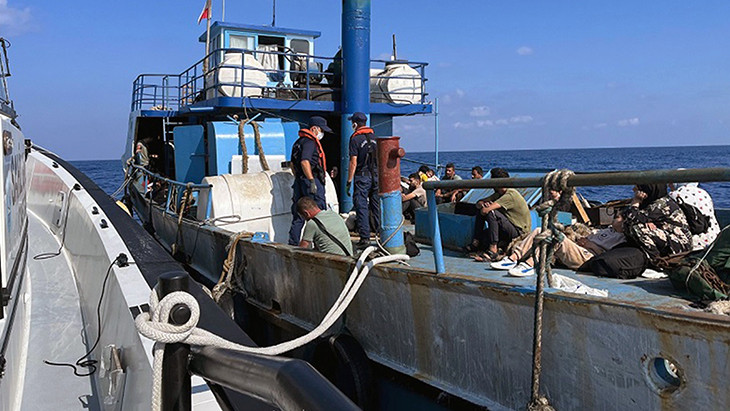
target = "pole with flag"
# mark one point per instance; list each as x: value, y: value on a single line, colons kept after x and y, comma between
x: 206, y: 14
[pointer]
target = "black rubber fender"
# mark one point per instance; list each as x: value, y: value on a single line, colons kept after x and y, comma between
x: 342, y: 360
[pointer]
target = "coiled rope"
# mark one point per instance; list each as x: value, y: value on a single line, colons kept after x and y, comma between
x: 154, y: 325
x: 550, y: 236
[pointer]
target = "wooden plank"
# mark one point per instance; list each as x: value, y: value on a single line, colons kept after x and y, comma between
x: 581, y: 211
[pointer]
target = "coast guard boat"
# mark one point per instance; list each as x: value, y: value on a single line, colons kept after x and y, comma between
x: 75, y: 272
x: 441, y: 332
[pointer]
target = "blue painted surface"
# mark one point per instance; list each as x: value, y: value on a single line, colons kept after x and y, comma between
x: 435, y: 232
x: 189, y: 153
x: 391, y: 217
x: 355, y: 79
x: 223, y: 142
x: 291, y: 134
x: 655, y: 293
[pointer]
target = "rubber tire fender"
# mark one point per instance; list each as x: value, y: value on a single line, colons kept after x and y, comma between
x: 342, y: 360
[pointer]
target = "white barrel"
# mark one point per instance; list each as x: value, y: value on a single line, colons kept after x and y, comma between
x: 398, y: 83
x: 262, y: 201
x: 254, y: 78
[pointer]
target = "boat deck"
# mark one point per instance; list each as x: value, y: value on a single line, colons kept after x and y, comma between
x: 646, y: 292
x: 55, y: 330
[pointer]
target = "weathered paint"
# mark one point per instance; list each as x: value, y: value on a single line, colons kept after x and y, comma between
x: 469, y: 331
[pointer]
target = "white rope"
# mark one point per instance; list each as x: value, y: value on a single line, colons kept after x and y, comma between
x: 154, y: 325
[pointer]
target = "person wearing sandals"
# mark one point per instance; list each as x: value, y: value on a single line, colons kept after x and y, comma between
x: 507, y: 216
x: 573, y: 254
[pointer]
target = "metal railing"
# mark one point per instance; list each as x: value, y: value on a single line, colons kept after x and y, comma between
x: 287, y: 383
x: 299, y: 77
x: 173, y: 191
x: 701, y: 175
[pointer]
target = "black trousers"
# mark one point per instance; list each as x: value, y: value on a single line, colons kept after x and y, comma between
x: 499, y: 228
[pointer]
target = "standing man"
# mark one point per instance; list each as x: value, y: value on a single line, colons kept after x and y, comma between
x: 309, y: 166
x: 364, y: 170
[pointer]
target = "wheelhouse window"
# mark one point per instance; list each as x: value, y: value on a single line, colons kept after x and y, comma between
x: 300, y: 46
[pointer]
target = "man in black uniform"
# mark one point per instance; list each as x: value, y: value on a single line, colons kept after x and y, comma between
x: 364, y: 171
x: 309, y: 166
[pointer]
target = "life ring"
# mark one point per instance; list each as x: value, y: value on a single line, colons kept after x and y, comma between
x: 342, y: 360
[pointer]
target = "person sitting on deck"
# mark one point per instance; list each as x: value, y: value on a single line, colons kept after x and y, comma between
x: 573, y: 254
x: 692, y: 194
x: 415, y: 198
x: 450, y: 196
x: 426, y: 174
x: 477, y: 173
x: 506, y: 214
x: 325, y: 229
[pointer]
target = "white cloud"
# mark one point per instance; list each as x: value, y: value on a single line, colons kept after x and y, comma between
x: 459, y: 124
x: 484, y: 123
x: 628, y: 122
x: 479, y: 111
x: 524, y: 51
x: 13, y: 21
x: 520, y: 119
x: 600, y: 125
x: 459, y: 92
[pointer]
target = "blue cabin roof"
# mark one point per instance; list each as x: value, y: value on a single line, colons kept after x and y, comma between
x: 218, y: 27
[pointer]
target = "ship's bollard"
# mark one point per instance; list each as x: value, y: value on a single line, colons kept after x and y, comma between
x: 391, y: 208
x: 176, y: 389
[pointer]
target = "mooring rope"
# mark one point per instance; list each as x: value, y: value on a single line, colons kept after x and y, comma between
x: 179, y: 244
x: 548, y: 239
x: 242, y: 142
x: 155, y: 326
x: 259, y: 147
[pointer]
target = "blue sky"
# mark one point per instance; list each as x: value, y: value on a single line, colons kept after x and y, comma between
x: 509, y: 75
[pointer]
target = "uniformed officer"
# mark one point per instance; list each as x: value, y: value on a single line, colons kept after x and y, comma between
x: 363, y: 171
x: 309, y: 166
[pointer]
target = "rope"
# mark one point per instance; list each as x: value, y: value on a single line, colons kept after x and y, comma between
x: 550, y: 235
x: 154, y: 325
x: 259, y: 147
x: 242, y: 142
x: 225, y: 282
x: 181, y: 210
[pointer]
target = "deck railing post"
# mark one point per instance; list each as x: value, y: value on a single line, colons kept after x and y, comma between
x: 176, y: 388
x: 433, y: 221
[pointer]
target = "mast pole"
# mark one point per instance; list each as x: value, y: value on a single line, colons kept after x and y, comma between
x: 355, y: 81
x: 207, y: 37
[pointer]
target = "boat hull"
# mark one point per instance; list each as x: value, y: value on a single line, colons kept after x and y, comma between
x: 472, y: 337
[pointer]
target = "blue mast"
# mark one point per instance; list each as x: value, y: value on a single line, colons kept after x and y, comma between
x: 355, y: 79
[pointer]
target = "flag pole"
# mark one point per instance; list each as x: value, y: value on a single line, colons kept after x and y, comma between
x: 223, y: 11
x: 207, y: 37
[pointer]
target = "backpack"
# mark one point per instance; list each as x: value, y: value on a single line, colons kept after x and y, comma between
x: 410, y: 243
x: 622, y: 262
x: 698, y: 222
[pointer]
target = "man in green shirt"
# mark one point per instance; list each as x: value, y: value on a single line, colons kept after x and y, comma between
x: 325, y: 229
x: 506, y: 214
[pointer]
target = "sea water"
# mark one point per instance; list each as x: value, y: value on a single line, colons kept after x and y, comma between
x: 108, y: 174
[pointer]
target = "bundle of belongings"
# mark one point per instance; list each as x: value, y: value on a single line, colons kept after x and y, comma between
x: 704, y: 274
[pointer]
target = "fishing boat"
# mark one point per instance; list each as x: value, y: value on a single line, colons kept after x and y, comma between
x: 77, y: 271
x: 211, y: 178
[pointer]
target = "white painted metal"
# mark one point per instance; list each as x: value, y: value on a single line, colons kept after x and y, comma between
x: 262, y: 200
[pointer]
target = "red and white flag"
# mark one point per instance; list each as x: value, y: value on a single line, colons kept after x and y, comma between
x: 205, y: 14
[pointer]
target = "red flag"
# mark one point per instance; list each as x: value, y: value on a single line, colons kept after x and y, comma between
x: 205, y: 14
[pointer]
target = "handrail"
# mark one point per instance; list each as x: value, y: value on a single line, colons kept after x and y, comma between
x: 288, y: 383
x: 192, y: 81
x: 167, y: 180
x: 699, y: 175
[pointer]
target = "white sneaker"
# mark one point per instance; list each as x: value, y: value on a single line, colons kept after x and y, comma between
x: 504, y: 264
x: 522, y: 270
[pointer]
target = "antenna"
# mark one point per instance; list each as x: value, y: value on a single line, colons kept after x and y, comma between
x: 273, y: 18
x: 395, y: 53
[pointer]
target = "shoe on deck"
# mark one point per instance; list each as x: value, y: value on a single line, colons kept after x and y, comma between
x: 362, y: 244
x: 504, y: 264
x: 521, y: 270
